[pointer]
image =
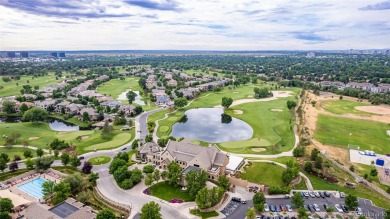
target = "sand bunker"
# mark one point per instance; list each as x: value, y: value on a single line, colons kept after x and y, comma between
x: 374, y: 109
x: 277, y: 110
x: 235, y: 92
x: 258, y: 149
x: 33, y: 138
x: 250, y: 96
x: 84, y: 137
x: 239, y: 112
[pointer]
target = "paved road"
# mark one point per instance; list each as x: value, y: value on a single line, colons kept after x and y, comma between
x: 141, y: 124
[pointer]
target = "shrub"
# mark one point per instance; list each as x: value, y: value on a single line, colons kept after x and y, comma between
x: 279, y: 190
x: 148, y: 169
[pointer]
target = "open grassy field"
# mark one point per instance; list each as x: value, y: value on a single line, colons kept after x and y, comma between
x: 342, y: 131
x: 99, y: 160
x: 11, y: 89
x: 115, y: 87
x: 264, y: 173
x: 168, y: 192
x: 344, y: 107
x: 11, y: 152
x: 40, y: 135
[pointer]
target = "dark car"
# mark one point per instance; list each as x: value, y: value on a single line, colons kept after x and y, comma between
x: 236, y: 199
x: 278, y: 209
x: 322, y: 194
x: 124, y: 149
x: 272, y: 208
x: 325, y: 206
x: 81, y: 158
x: 345, y: 209
x: 293, y: 217
x: 302, y: 194
x: 327, y: 194
x: 311, y: 208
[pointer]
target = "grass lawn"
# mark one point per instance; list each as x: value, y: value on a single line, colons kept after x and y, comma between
x: 40, y: 135
x: 205, y: 214
x: 11, y: 89
x: 131, y: 153
x: 167, y: 192
x: 72, y: 120
x: 99, y: 160
x: 264, y: 173
x: 9, y: 175
x: 68, y: 170
x: 344, y: 107
x: 11, y: 152
x: 341, y: 131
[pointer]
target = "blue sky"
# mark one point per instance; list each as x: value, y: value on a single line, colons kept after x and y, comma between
x: 194, y: 24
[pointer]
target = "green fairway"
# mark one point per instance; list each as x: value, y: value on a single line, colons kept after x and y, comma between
x: 115, y: 87
x: 11, y: 89
x: 11, y: 152
x: 168, y: 192
x: 344, y: 107
x: 264, y: 173
x: 99, y: 160
x: 40, y: 135
x: 342, y: 131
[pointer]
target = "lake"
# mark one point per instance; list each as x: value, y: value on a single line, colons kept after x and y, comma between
x: 211, y: 125
x: 54, y: 124
x: 138, y: 99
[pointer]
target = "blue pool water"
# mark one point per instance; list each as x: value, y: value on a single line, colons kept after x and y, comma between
x: 33, y: 187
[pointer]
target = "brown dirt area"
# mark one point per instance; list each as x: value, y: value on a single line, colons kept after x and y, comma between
x: 239, y: 112
x: 33, y: 138
x: 258, y: 149
x: 381, y: 110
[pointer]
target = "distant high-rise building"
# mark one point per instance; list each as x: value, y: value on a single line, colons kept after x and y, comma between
x: 24, y: 54
x: 61, y: 54
x: 387, y: 52
x: 11, y: 54
x: 310, y: 55
x: 54, y: 54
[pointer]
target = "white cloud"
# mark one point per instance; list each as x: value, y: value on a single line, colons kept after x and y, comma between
x: 202, y: 25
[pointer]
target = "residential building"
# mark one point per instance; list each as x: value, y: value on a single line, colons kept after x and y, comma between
x: 44, y: 104
x: 111, y: 104
x: 102, y: 78
x: 358, y: 85
x: 127, y: 109
x: 381, y: 88
x: 172, y: 83
x: 93, y: 115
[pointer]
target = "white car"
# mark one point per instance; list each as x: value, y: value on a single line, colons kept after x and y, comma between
x: 359, y: 211
x: 266, y: 208
x: 316, y: 208
x: 317, y: 194
x: 342, y: 195
x: 288, y: 207
x: 338, y: 208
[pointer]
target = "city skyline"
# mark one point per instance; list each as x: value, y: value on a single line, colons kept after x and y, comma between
x: 200, y: 25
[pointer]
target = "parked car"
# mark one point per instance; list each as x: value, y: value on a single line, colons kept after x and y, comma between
x: 311, y: 208
x: 312, y: 194
x: 272, y: 208
x: 322, y: 194
x: 81, y: 158
x: 306, y: 194
x: 287, y: 196
x: 359, y: 211
x: 302, y: 194
x: 124, y: 149
x: 327, y: 194
x: 289, y: 208
x: 317, y: 194
x: 345, y: 209
x: 338, y: 208
x: 283, y: 208
x: 342, y: 195
x: 325, y: 206
x: 236, y: 199
x: 278, y: 208
x: 316, y: 207
x: 243, y: 201
x: 266, y: 208
x: 306, y: 207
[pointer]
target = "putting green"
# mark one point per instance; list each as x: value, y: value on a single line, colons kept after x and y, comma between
x: 99, y: 160
x: 164, y: 128
x: 173, y: 118
x: 119, y: 139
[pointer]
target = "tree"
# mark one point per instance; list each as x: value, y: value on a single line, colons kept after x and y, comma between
x: 250, y: 213
x: 5, y: 157
x: 107, y: 129
x: 314, y: 154
x: 149, y: 179
x: 156, y: 175
x: 123, y: 155
x: 76, y: 182
x: 35, y: 115
x: 115, y: 164
x: 43, y: 163
x: 374, y: 172
x: 291, y: 104
x: 196, y: 180
x: 56, y: 153
x: 387, y: 214
x: 227, y: 101
x: 299, y: 151
x: 223, y: 182
x: 105, y: 214
x: 85, y: 116
x: 259, y: 201
x: 151, y: 210
x: 8, y: 107
x: 180, y: 102
x: 93, y: 177
x: 351, y: 202
x: 75, y: 161
x: 318, y: 162
x: 308, y: 166
x: 302, y: 214
x: 27, y: 154
x: 261, y: 92
x: 39, y: 152
x: 202, y: 199
x: 65, y: 158
x: 13, y: 166
x: 87, y: 167
x: 6, y: 205
x: 23, y: 108
x: 297, y: 200
x: 48, y: 188
x: 29, y: 163
x: 3, y: 164
x: 225, y: 118
x: 164, y: 174
x: 148, y: 169
x: 61, y: 192
x: 131, y: 96
x: 174, y: 173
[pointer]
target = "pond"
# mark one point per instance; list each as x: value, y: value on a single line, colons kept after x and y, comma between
x: 54, y: 124
x: 211, y: 125
x: 138, y: 99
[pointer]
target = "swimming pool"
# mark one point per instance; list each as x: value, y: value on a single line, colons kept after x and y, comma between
x: 33, y: 187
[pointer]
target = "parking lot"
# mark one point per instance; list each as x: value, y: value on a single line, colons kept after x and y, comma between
x: 237, y: 210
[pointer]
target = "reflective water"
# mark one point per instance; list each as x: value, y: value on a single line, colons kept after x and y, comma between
x: 137, y: 100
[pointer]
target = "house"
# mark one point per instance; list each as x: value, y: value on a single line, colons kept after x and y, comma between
x: 190, y: 92
x: 93, y: 115
x: 363, y: 86
x: 111, y: 104
x: 168, y: 76
x: 127, y: 109
x: 187, y: 155
x: 172, y: 83
x: 19, y: 104
x: 162, y: 99
x: 74, y: 108
x: 44, y: 104
x: 337, y: 84
x: 30, y: 96
x: 90, y: 93
x: 381, y: 88
x: 81, y: 87
x: 60, y: 106
x: 150, y: 84
x: 102, y: 78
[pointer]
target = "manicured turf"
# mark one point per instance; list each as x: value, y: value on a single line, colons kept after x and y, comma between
x: 73, y: 120
x: 115, y: 87
x: 11, y: 151
x: 205, y: 214
x: 264, y: 173
x: 92, y: 138
x: 99, y: 160
x: 131, y: 153
x: 344, y: 107
x: 164, y: 128
x: 167, y: 192
x: 11, y: 89
x: 341, y: 131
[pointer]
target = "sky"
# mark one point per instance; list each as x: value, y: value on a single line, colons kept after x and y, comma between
x: 194, y: 24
